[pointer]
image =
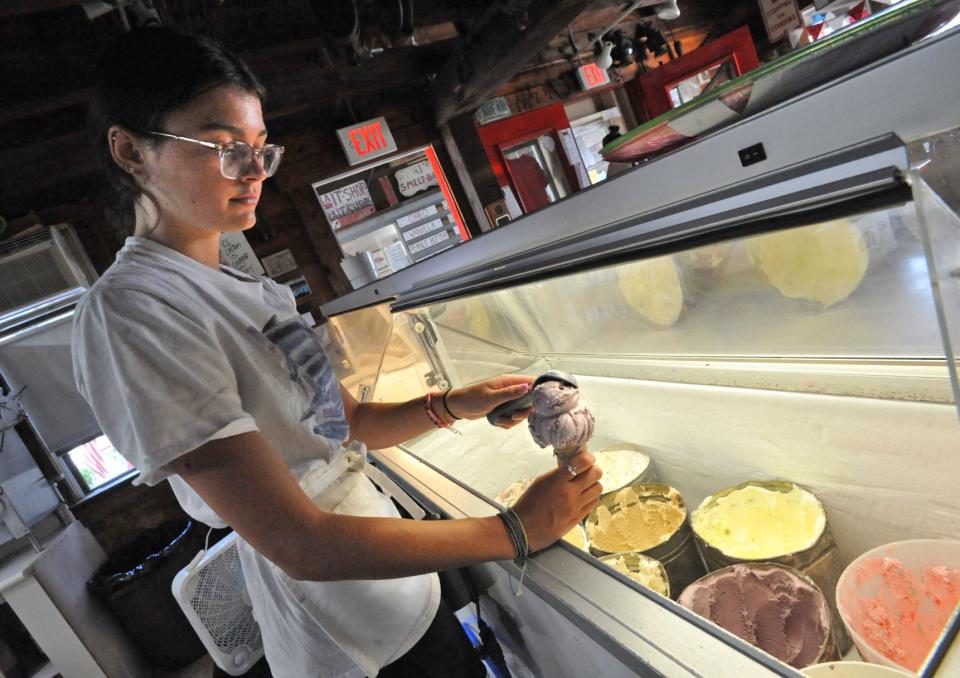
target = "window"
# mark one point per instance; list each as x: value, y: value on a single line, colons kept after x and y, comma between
x: 97, y: 462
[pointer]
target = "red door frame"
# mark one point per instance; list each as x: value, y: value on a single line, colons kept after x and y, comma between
x: 650, y: 92
x: 523, y: 127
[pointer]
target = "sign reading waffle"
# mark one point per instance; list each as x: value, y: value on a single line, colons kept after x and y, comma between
x: 347, y: 204
x: 492, y: 109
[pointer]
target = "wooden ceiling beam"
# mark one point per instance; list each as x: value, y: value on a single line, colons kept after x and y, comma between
x: 15, y: 7
x: 498, y: 49
x: 398, y: 68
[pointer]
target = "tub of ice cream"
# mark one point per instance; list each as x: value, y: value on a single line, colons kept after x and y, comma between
x: 641, y: 569
x: 623, y: 465
x: 772, y: 607
x: 578, y: 537
x: 853, y: 670
x: 822, y: 263
x: 650, y: 519
x: 896, y: 599
x: 771, y: 521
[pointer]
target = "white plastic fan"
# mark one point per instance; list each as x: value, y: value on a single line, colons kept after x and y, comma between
x: 212, y: 594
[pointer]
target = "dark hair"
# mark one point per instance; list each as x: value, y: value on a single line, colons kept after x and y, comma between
x: 142, y: 77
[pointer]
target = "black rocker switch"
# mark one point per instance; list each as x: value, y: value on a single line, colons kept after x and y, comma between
x: 752, y: 155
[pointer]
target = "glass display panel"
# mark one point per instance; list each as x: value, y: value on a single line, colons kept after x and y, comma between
x: 802, y: 371
x: 849, y: 288
x: 941, y: 228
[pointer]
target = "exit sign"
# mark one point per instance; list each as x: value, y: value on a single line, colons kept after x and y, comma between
x: 591, y: 76
x: 366, y: 140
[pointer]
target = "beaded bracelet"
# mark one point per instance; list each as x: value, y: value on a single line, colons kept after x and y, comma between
x: 437, y: 421
x: 447, y: 407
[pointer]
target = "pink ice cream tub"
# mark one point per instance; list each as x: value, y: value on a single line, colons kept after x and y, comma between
x: 896, y: 600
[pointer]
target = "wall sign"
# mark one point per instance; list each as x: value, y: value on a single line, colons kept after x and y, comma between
x: 780, y: 17
x: 299, y: 287
x: 492, y: 109
x: 419, y: 215
x: 366, y: 140
x: 346, y: 205
x: 237, y: 253
x: 415, y: 178
x: 279, y: 263
x: 592, y: 76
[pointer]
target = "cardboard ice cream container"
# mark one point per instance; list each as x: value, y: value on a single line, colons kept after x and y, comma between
x: 623, y: 465
x: 650, y: 519
x: 791, y: 529
x: 642, y: 569
x: 771, y: 606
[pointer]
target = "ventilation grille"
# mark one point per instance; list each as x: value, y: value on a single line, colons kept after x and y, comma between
x: 221, y: 605
x: 19, y: 243
x: 30, y: 276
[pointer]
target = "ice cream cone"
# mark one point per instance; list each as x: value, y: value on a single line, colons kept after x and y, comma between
x: 565, y: 454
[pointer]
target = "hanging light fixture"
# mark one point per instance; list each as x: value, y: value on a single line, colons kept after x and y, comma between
x: 606, y: 44
x: 668, y: 11
x: 605, y: 58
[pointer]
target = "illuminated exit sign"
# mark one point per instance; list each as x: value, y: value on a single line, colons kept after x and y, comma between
x: 591, y: 75
x: 366, y: 140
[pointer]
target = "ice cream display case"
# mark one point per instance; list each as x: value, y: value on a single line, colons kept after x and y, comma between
x: 770, y: 362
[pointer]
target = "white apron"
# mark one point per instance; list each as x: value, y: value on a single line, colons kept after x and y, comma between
x: 348, y: 629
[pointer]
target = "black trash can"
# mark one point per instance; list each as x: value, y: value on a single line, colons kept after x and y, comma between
x: 135, y: 585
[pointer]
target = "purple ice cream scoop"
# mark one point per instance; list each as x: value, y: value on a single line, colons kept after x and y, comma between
x: 560, y: 418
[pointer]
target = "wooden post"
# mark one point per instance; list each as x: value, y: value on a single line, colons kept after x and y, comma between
x: 460, y: 167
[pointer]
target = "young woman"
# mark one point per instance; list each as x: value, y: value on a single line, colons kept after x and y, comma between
x: 207, y: 378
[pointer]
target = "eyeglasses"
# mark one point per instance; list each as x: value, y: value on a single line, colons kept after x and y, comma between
x: 236, y: 157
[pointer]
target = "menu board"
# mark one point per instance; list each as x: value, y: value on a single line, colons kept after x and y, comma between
x: 346, y: 205
x: 428, y: 230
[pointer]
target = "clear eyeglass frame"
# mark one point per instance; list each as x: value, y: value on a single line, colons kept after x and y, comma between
x: 236, y: 157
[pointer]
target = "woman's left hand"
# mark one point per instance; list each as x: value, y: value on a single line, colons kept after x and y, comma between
x: 474, y: 402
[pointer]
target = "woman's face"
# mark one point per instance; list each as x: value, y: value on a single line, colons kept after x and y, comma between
x: 185, y: 178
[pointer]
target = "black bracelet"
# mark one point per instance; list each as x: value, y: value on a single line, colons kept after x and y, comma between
x: 517, y: 534
x: 443, y: 399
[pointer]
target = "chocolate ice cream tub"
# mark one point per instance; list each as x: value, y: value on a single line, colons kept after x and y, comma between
x: 776, y: 522
x: 773, y: 607
x: 650, y: 519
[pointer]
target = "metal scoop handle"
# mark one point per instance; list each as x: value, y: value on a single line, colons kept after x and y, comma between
x: 504, y: 413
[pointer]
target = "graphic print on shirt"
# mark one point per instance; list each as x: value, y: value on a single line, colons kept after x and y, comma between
x: 310, y: 367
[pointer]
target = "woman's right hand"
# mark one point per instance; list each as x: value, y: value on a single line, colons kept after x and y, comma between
x: 556, y: 501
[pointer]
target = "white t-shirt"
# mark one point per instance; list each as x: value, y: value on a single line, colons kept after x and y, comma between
x: 171, y: 354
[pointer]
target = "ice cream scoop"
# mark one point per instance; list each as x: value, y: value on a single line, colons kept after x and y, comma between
x: 504, y: 413
x: 561, y: 419
x: 770, y: 606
